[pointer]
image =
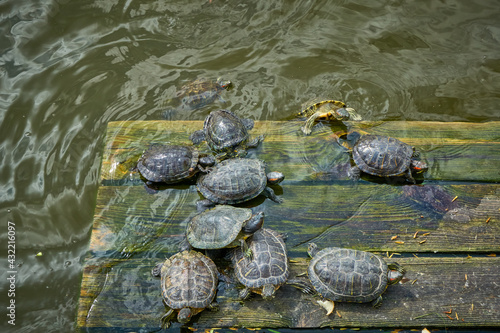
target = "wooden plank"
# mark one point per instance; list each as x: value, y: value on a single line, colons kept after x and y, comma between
x: 466, y: 286
x: 364, y: 217
x: 454, y: 151
x: 455, y: 212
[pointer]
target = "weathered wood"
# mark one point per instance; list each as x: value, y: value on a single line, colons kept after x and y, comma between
x: 455, y: 212
x: 364, y: 217
x: 466, y: 286
x: 454, y: 151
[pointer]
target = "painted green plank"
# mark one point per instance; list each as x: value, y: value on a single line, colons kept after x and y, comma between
x: 454, y: 151
x: 130, y: 298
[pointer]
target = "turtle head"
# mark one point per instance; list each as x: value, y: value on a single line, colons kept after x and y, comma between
x: 224, y: 84
x: 312, y: 249
x: 335, y: 114
x: 395, y: 273
x: 275, y: 177
x: 255, y: 223
x: 184, y: 315
x: 268, y: 291
x: 418, y: 166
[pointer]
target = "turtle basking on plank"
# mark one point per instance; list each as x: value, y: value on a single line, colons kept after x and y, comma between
x: 171, y: 163
x: 384, y: 156
x: 326, y: 110
x: 237, y: 180
x: 347, y: 275
x: 189, y: 282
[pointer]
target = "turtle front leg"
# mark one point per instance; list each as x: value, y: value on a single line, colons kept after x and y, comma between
x: 247, y: 252
x: 244, y: 294
x: 377, y: 302
x: 214, y: 306
x: 255, y: 142
x: 271, y: 195
x: 307, y: 128
x: 354, y: 173
x: 166, y: 319
x: 409, y: 177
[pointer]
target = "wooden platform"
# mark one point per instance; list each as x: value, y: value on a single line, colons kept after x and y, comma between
x: 447, y: 228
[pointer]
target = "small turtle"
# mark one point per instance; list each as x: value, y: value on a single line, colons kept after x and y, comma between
x: 267, y: 270
x: 237, y: 180
x: 384, y: 156
x: 347, y: 275
x: 172, y: 163
x: 223, y: 226
x: 188, y: 284
x: 201, y: 92
x: 326, y: 110
x: 226, y: 134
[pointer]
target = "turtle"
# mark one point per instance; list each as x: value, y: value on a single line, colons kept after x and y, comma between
x: 201, y: 92
x: 172, y: 163
x: 226, y: 134
x: 267, y: 269
x: 326, y: 110
x: 347, y: 275
x: 384, y: 156
x: 188, y: 283
x: 237, y: 180
x: 223, y: 226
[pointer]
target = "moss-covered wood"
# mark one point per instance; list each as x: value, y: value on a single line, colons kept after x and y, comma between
x: 454, y: 212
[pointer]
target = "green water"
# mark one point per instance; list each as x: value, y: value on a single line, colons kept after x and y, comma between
x: 67, y: 68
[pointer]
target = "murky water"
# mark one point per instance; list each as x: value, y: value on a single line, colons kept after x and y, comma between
x: 69, y: 67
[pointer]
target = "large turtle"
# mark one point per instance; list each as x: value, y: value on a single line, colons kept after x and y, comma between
x: 226, y: 134
x: 347, y: 275
x: 188, y: 283
x: 223, y: 226
x: 201, y: 92
x: 267, y: 269
x: 171, y: 163
x: 384, y: 156
x: 237, y: 180
x: 325, y: 110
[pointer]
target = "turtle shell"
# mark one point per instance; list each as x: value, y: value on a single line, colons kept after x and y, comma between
x: 348, y: 275
x: 218, y: 227
x: 383, y: 156
x: 201, y: 92
x: 233, y: 181
x: 188, y: 279
x: 168, y: 163
x: 269, y: 263
x: 224, y: 130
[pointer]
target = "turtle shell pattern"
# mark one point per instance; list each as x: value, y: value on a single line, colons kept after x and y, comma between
x: 348, y: 275
x: 269, y: 264
x: 233, y: 181
x: 199, y: 93
x: 218, y: 227
x: 168, y: 163
x: 188, y: 279
x: 383, y: 156
x: 224, y: 130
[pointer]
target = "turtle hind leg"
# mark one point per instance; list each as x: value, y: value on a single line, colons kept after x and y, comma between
x: 377, y: 302
x: 303, y: 286
x: 245, y: 294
